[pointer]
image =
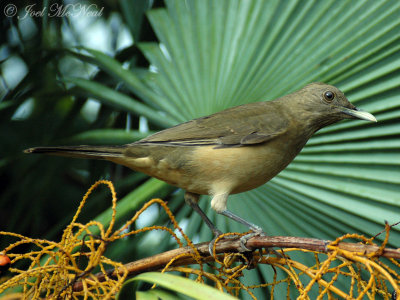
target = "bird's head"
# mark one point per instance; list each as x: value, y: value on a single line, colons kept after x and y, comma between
x: 324, y: 104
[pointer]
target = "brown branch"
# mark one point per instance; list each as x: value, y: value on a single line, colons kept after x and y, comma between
x: 159, y: 261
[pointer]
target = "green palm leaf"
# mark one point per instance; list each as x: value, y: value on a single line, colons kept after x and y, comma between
x: 216, y: 54
x: 251, y: 55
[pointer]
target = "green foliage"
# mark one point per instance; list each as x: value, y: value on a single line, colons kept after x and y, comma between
x: 206, y: 56
x: 180, y: 285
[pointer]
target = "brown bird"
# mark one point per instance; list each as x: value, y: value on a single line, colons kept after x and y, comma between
x: 231, y: 151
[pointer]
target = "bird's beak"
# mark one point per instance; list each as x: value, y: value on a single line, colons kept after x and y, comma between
x: 359, y: 114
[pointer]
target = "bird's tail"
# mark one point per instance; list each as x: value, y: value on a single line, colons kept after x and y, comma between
x: 93, y: 152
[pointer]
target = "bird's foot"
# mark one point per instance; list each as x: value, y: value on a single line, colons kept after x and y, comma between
x: 211, y: 245
x: 217, y: 234
x: 257, y: 231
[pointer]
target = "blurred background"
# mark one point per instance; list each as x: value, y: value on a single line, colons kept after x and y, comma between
x: 112, y: 72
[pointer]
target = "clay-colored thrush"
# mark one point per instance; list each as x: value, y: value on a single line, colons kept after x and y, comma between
x: 229, y: 152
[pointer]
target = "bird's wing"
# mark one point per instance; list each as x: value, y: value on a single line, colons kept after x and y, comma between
x: 247, y: 124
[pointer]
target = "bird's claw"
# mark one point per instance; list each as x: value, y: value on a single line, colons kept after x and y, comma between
x: 243, y: 240
x: 217, y: 233
x: 211, y: 246
x: 257, y: 231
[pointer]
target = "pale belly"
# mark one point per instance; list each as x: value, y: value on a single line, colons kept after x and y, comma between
x: 209, y: 170
x: 236, y: 170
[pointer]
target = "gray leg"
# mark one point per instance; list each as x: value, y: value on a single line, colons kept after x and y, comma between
x: 236, y: 218
x: 257, y: 230
x: 192, y: 199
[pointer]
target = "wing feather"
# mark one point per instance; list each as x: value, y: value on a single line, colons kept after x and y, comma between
x: 248, y: 124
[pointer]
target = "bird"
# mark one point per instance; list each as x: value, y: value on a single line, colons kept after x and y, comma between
x: 231, y: 151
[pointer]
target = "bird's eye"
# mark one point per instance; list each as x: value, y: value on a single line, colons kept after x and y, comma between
x: 329, y: 96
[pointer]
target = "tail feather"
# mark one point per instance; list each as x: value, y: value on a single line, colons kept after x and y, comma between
x: 83, y: 151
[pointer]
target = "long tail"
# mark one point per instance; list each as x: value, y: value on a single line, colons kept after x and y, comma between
x: 93, y: 152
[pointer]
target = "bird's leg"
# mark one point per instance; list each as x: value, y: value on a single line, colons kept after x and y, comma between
x: 236, y: 218
x: 218, y: 203
x: 257, y: 230
x: 192, y: 199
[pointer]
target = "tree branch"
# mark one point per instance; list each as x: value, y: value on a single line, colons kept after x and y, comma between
x: 159, y: 261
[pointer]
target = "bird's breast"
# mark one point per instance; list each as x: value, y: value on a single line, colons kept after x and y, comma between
x: 239, y: 169
x: 213, y: 170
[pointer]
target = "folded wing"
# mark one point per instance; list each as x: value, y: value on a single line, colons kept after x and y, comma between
x: 248, y: 124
